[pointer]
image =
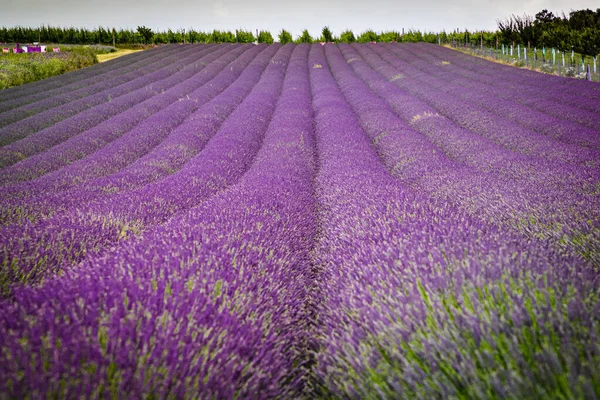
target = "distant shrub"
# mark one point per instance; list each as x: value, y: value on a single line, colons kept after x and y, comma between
x: 222, y: 37
x: 242, y: 36
x: 519, y: 63
x: 140, y: 46
x: 145, y: 33
x: 347, y: 37
x: 81, y: 57
x: 103, y: 49
x: 304, y: 37
x: 265, y: 37
x: 49, y: 68
x: 198, y: 37
x: 368, y: 36
x: 285, y: 37
x: 326, y: 35
x: 547, y: 68
x: 412, y: 36
x: 391, y: 36
x: 570, y: 71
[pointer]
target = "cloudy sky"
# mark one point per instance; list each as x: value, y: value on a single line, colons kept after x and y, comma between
x: 272, y: 15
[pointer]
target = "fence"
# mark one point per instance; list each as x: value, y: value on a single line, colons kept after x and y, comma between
x: 546, y: 60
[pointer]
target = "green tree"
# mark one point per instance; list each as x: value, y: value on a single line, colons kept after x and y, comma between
x: 222, y: 37
x: 509, y: 33
x: 326, y: 35
x: 347, y: 36
x: 145, y: 33
x: 586, y: 41
x: 285, y: 37
x: 242, y: 36
x: 304, y: 37
x: 412, y: 36
x: 265, y: 37
x: 368, y: 36
x: 391, y: 36
x: 526, y: 29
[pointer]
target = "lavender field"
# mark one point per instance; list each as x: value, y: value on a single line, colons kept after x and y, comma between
x: 301, y: 221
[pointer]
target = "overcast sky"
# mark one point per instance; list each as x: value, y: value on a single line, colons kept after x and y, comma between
x: 272, y: 15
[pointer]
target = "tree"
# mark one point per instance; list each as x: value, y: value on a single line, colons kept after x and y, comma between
x: 265, y: 37
x: 242, y: 36
x: 146, y: 33
x: 218, y: 36
x: 368, y: 36
x: 586, y: 41
x: 347, y: 36
x: 285, y: 37
x: 304, y: 37
x: 391, y: 36
x: 509, y: 34
x: 327, y: 36
x: 581, y: 19
x: 544, y: 17
x: 526, y: 30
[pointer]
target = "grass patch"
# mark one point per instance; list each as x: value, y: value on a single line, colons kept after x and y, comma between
x: 18, y: 69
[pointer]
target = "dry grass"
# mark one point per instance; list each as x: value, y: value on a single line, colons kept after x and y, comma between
x: 110, y: 56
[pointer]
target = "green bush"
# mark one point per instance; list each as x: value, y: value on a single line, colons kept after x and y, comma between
x: 285, y: 37
x: 368, y: 36
x: 265, y: 37
x: 326, y: 35
x: 242, y: 36
x: 221, y: 37
x: 103, y: 49
x: 347, y: 37
x: 391, y: 36
x: 412, y: 36
x: 547, y: 68
x: 304, y: 37
x: 48, y: 68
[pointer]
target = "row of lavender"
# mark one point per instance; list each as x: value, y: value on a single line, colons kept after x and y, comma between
x: 340, y: 221
x: 446, y: 298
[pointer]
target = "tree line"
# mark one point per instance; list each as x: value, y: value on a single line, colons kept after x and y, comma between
x: 578, y: 31
x: 145, y: 35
